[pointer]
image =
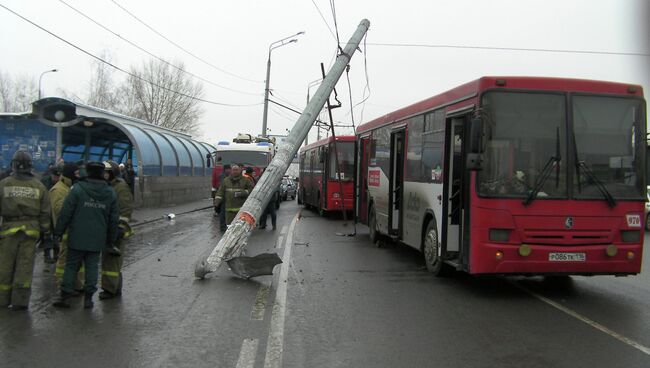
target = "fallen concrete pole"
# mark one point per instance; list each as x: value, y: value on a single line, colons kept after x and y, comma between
x: 234, y: 240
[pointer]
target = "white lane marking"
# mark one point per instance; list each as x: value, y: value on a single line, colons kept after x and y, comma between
x: 590, y: 322
x: 279, y: 243
x: 257, y: 314
x: 275, y: 342
x: 247, y: 353
x: 284, y: 230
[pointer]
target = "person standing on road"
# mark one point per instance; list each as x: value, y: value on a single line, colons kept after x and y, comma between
x: 50, y: 249
x: 91, y: 216
x: 111, y: 264
x: 57, y: 195
x: 25, y: 212
x: 130, y: 175
x: 233, y: 192
x: 249, y: 173
x: 221, y: 210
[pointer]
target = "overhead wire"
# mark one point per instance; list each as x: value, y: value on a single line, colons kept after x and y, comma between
x: 181, y: 47
x: 324, y: 20
x: 153, y: 55
x: 449, y: 46
x: 120, y: 69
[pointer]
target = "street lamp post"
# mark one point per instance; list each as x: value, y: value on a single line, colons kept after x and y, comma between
x: 41, y: 78
x: 273, y: 46
x: 312, y: 84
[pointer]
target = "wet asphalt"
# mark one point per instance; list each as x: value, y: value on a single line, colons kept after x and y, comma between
x: 345, y: 303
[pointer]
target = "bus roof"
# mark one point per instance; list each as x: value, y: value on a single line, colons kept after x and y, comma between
x: 324, y: 141
x: 232, y: 146
x: 475, y: 87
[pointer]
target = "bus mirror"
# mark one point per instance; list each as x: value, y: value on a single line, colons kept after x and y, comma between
x: 475, y: 133
x: 474, y: 161
x: 209, y: 159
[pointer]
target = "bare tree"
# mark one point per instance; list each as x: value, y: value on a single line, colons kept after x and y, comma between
x: 164, y: 96
x: 17, y: 94
x: 102, y: 91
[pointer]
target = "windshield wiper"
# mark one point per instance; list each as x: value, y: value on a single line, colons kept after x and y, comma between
x: 599, y: 184
x: 553, y: 161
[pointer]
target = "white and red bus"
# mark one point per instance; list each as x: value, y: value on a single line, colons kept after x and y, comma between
x: 511, y: 175
x: 246, y: 150
x: 321, y: 185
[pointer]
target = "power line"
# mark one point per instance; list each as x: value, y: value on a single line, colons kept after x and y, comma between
x: 324, y: 20
x: 336, y: 25
x: 120, y: 69
x: 155, y: 56
x: 443, y: 46
x: 181, y: 47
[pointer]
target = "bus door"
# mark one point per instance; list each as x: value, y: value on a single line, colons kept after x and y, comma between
x: 364, y: 159
x: 455, y: 186
x: 396, y: 181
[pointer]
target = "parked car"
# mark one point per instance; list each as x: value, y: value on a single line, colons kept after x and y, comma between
x: 287, y: 189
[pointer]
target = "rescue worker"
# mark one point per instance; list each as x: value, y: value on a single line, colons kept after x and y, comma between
x: 51, y: 176
x: 112, y: 265
x: 249, y: 173
x: 70, y: 174
x: 233, y: 191
x: 90, y: 215
x: 220, y: 210
x: 25, y: 212
x: 50, y: 249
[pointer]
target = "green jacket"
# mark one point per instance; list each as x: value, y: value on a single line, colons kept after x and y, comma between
x: 57, y: 194
x: 233, y: 191
x: 24, y: 206
x: 124, y: 198
x: 90, y: 215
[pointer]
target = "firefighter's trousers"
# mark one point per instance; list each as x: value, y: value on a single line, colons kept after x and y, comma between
x: 17, y: 253
x: 112, y: 269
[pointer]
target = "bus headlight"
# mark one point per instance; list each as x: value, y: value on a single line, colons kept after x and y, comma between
x: 499, y: 235
x: 631, y: 236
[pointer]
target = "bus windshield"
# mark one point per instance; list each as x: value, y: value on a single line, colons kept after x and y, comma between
x: 608, y: 143
x: 346, y: 161
x: 523, y: 134
x: 247, y: 158
x: 526, y: 145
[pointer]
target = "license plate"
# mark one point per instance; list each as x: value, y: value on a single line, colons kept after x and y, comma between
x: 567, y: 257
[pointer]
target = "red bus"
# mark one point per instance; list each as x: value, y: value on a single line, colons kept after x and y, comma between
x: 319, y: 183
x: 511, y: 175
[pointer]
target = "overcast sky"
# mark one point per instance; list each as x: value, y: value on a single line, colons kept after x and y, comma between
x: 234, y: 36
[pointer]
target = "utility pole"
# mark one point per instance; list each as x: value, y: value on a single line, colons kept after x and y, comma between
x: 234, y: 240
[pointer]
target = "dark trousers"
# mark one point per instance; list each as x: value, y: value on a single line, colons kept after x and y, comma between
x: 74, y: 259
x: 269, y: 210
x: 222, y: 216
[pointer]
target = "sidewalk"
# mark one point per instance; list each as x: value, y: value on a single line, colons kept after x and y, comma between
x: 142, y: 215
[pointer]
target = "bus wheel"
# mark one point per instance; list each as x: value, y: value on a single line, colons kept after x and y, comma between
x: 433, y: 252
x: 372, y: 225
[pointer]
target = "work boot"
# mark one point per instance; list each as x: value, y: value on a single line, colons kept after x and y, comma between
x: 63, y: 301
x: 88, y: 301
x: 108, y: 295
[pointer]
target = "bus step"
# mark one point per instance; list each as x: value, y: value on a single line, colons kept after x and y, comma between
x: 454, y: 263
